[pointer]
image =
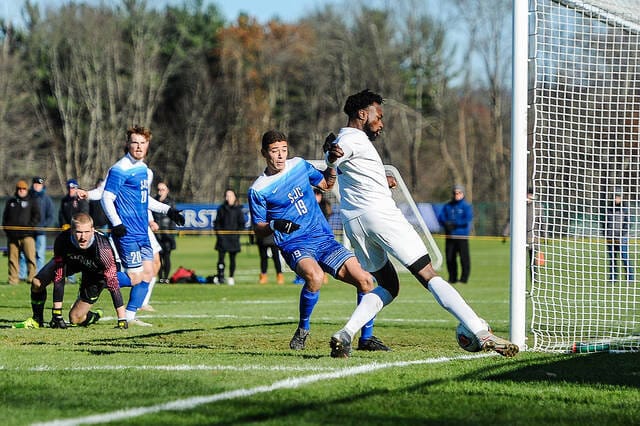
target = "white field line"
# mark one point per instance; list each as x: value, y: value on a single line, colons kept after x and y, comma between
x: 379, y: 320
x: 325, y: 301
x: 184, y: 367
x: 280, y: 318
x: 290, y: 383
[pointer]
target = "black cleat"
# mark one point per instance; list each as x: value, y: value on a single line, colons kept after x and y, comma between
x: 299, y: 339
x: 372, y: 344
x: 57, y: 322
x: 340, y: 345
x: 97, y: 314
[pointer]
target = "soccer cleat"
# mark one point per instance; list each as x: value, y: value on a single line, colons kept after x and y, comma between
x: 372, y: 344
x: 97, y: 314
x: 299, y: 339
x: 280, y: 278
x: 299, y: 280
x: 340, y: 345
x: 139, y: 323
x: 57, y: 322
x: 147, y: 308
x: 231, y: 281
x: 28, y: 323
x: 491, y: 342
x: 264, y: 279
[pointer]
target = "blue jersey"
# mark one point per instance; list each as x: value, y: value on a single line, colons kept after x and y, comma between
x: 130, y: 180
x: 289, y: 195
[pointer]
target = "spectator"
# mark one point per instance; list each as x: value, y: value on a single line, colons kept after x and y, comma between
x: 71, y: 204
x: 166, y: 236
x: 268, y: 248
x: 38, y: 192
x: 616, y: 232
x: 21, y: 215
x: 456, y: 217
x: 536, y: 256
x: 229, y: 220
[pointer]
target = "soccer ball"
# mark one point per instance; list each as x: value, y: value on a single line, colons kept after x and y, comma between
x: 467, y: 340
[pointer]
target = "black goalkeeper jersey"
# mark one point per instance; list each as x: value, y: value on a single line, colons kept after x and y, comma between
x: 97, y: 263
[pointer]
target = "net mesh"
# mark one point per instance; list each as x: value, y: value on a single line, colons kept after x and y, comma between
x: 585, y: 104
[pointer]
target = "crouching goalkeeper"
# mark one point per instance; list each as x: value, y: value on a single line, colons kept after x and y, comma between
x: 78, y: 249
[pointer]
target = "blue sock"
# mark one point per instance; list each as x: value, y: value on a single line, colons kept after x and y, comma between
x: 383, y: 294
x: 367, y: 330
x: 123, y: 279
x: 137, y: 295
x: 308, y: 301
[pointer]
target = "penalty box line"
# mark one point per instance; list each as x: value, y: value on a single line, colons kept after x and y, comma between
x: 289, y: 383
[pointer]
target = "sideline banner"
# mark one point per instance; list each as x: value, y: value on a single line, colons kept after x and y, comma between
x: 198, y: 216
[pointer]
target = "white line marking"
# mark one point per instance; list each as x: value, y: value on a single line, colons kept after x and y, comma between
x: 46, y: 368
x: 290, y: 383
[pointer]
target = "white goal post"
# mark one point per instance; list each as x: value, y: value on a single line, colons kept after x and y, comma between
x: 576, y: 113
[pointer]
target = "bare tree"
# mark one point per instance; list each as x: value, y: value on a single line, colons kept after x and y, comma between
x: 99, y: 83
x: 489, y: 46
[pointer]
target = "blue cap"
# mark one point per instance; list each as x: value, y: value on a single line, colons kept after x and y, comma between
x: 72, y: 183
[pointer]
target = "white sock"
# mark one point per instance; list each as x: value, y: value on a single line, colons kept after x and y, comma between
x: 368, y: 307
x: 130, y: 315
x: 450, y: 299
x: 148, y: 296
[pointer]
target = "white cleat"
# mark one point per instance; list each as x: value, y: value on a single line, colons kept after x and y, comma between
x: 491, y: 342
x: 139, y: 323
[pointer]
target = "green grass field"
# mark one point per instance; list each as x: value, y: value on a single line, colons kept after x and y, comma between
x: 218, y: 355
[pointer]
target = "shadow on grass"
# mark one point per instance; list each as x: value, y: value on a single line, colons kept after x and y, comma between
x: 620, y: 369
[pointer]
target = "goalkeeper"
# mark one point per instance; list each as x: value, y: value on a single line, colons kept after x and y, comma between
x: 78, y: 249
x: 282, y: 203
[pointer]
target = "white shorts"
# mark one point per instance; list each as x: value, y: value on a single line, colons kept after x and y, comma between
x: 155, y: 245
x: 376, y: 233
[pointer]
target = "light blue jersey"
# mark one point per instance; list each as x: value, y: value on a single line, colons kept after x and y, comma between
x: 289, y: 195
x: 129, y: 181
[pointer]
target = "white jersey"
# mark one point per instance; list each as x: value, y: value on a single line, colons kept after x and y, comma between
x: 372, y: 221
x: 361, y: 176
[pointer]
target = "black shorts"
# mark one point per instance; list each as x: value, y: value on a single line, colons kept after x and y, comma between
x: 91, y: 287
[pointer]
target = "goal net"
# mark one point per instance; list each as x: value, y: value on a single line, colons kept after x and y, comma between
x: 585, y: 145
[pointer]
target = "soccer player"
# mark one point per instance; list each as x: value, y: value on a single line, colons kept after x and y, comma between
x: 125, y: 201
x: 377, y: 228
x: 157, y: 263
x: 282, y: 203
x: 78, y: 249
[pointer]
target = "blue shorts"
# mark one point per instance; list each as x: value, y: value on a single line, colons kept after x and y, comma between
x: 329, y: 254
x: 133, y: 251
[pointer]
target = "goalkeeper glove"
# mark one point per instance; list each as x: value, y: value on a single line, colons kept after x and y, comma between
x: 175, y: 216
x: 283, y: 225
x: 119, y: 231
x: 122, y: 324
x: 328, y: 142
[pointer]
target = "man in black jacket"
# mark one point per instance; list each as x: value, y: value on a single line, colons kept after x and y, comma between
x: 71, y: 204
x: 21, y: 216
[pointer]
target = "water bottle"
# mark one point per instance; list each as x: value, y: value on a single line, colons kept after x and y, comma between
x: 583, y: 348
